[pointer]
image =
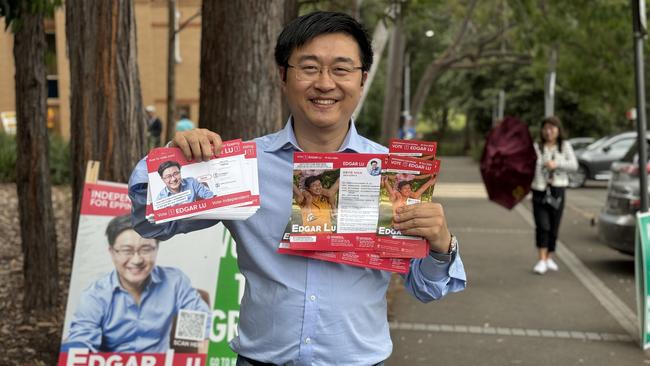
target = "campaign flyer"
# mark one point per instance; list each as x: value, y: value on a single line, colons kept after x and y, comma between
x: 181, y: 188
x: 335, y: 201
x: 353, y: 258
x: 179, y: 317
x: 405, y: 181
x: 422, y: 149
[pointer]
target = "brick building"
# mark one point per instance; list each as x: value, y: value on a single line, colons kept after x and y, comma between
x: 152, y: 32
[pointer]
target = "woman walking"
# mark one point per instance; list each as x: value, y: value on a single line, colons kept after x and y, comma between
x: 555, y: 158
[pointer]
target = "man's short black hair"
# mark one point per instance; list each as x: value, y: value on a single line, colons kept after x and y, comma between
x: 307, y: 27
x: 373, y: 162
x: 311, y: 180
x: 168, y: 164
x: 401, y: 184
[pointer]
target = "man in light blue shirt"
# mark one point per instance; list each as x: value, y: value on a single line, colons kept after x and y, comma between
x: 170, y: 173
x: 131, y: 309
x: 295, y: 310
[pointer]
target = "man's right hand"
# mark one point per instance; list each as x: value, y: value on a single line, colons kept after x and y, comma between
x: 199, y: 143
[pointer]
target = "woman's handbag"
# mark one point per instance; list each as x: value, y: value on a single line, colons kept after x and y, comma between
x: 551, y: 200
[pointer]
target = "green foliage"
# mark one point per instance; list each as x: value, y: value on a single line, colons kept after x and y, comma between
x: 7, y: 158
x: 59, y: 154
x: 11, y: 10
x: 60, y: 165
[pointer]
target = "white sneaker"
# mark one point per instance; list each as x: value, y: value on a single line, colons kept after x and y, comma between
x: 551, y: 265
x: 540, y: 268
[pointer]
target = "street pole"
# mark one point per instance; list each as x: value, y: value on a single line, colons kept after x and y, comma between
x: 549, y: 85
x: 501, y: 105
x: 639, y: 20
x: 407, y: 85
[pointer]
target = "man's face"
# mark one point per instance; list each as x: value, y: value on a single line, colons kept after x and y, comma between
x: 316, y: 188
x: 172, y: 178
x: 373, y: 165
x: 323, y: 103
x: 405, y: 191
x: 134, y: 258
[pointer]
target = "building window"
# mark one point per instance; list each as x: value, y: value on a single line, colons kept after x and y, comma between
x: 51, y: 66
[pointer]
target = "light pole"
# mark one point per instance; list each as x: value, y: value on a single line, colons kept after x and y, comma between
x: 639, y: 20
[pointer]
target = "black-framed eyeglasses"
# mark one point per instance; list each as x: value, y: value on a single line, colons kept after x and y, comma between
x: 312, y: 72
x: 170, y: 176
x: 145, y: 251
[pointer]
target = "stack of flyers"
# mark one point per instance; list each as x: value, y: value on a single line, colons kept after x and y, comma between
x: 225, y: 187
x: 343, y: 205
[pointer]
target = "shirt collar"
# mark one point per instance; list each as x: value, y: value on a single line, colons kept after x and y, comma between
x: 285, y: 139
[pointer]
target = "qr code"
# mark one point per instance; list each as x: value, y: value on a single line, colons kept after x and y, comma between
x: 190, y: 325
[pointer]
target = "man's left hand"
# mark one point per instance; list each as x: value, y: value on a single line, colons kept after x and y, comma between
x: 426, y: 219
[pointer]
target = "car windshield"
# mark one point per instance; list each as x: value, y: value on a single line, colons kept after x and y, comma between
x: 631, y: 154
x: 598, y: 143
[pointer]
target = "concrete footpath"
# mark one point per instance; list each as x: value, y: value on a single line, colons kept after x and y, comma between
x: 508, y: 315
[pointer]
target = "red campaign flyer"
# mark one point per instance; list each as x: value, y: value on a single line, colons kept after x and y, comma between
x: 405, y: 181
x: 353, y: 258
x: 423, y: 149
x: 229, y: 213
x: 335, y: 201
x: 181, y: 188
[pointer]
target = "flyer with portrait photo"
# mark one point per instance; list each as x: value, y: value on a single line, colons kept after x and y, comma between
x: 179, y: 188
x: 335, y: 201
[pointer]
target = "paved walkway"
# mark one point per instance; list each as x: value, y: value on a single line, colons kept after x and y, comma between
x: 508, y: 315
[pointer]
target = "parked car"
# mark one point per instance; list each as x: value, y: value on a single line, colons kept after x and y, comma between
x: 594, y: 161
x: 617, y: 220
x: 580, y: 143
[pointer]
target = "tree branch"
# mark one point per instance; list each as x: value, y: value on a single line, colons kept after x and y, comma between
x: 186, y: 22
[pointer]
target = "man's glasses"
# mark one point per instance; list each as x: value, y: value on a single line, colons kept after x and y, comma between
x: 126, y: 253
x: 309, y: 72
x: 170, y: 176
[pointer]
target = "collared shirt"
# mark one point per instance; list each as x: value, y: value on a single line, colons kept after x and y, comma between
x: 301, y: 311
x: 108, y: 319
x: 192, y: 185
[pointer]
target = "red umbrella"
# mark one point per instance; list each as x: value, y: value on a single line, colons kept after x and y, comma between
x: 508, y: 162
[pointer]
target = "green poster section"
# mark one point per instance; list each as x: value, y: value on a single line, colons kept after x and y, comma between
x: 642, y: 274
x: 225, y: 316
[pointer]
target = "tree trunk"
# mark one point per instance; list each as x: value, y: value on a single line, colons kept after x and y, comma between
x: 394, y: 84
x: 291, y: 11
x: 467, y: 135
x: 40, y: 268
x: 444, y: 123
x: 429, y: 78
x: 171, y: 71
x: 240, y: 87
x: 107, y: 119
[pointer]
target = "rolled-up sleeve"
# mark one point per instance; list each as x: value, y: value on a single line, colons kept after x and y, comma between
x: 430, y: 279
x: 138, y: 185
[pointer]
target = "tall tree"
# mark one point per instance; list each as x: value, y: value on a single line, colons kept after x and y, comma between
x: 107, y: 119
x: 171, y: 69
x: 240, y: 94
x: 37, y: 230
x: 394, y: 81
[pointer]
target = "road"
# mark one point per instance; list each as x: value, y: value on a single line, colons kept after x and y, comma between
x: 585, y: 314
